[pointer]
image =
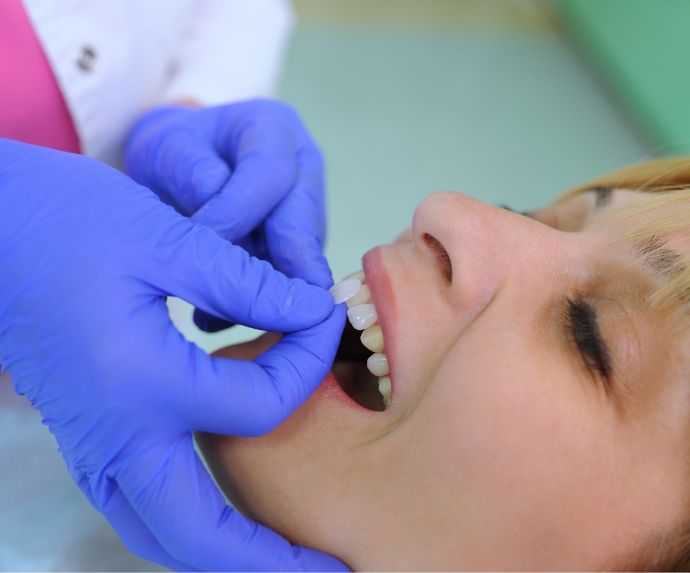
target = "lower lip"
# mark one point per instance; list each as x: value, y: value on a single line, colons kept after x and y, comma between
x: 331, y: 390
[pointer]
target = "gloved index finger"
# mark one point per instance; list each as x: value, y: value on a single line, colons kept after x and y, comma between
x: 194, y: 263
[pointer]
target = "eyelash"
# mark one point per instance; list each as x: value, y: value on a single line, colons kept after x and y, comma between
x: 583, y: 327
x: 508, y: 208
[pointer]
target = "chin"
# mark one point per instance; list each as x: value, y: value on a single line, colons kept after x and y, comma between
x: 271, y: 479
x: 288, y: 479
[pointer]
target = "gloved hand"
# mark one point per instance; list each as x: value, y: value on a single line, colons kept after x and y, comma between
x: 249, y: 171
x: 87, y: 258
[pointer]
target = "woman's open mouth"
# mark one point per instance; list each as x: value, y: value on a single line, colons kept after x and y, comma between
x: 361, y: 367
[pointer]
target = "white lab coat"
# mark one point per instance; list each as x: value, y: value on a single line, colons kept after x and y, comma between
x: 113, y: 59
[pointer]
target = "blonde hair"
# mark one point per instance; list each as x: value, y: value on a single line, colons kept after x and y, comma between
x: 655, y: 219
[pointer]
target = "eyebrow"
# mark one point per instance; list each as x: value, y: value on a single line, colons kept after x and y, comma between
x: 658, y: 257
x: 653, y: 251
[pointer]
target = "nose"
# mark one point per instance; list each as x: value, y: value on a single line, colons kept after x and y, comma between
x: 484, y: 243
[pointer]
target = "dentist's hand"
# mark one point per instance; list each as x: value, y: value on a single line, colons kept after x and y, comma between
x: 87, y: 258
x: 250, y: 171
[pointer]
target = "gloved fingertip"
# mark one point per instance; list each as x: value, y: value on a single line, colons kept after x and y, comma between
x: 314, y: 270
x: 322, y: 274
x: 302, y: 259
x: 310, y: 305
x: 209, y: 323
x: 221, y: 216
x: 317, y: 270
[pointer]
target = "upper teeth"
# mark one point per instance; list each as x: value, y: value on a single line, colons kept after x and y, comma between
x: 378, y: 364
x: 362, y: 296
x: 372, y: 338
x: 385, y: 389
x: 345, y: 290
x: 362, y: 316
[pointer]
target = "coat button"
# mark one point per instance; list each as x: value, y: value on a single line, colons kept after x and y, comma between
x: 86, y: 59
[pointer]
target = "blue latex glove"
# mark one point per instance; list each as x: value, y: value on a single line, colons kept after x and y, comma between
x: 87, y: 258
x: 249, y: 171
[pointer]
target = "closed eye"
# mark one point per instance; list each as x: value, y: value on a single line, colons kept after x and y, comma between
x: 583, y: 327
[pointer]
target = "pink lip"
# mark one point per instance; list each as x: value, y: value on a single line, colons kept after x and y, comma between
x: 330, y: 389
x: 383, y: 297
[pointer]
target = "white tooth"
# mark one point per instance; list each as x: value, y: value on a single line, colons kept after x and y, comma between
x: 362, y: 316
x: 378, y: 364
x: 359, y: 275
x: 345, y: 290
x: 362, y: 296
x: 372, y: 338
x: 386, y: 390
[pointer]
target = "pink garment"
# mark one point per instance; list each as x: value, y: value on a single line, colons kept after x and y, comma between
x: 32, y: 108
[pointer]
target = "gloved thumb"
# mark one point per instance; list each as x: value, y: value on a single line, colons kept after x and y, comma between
x: 193, y: 263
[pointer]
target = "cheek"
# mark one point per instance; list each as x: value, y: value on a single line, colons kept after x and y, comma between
x: 502, y: 425
x: 508, y: 447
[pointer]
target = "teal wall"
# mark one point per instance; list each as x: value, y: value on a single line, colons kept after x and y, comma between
x: 640, y: 49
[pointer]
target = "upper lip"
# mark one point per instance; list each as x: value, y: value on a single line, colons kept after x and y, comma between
x: 383, y: 297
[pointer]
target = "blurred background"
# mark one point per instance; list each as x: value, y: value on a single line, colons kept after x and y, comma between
x: 511, y: 101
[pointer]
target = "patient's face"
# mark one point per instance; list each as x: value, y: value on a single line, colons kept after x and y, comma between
x: 515, y: 439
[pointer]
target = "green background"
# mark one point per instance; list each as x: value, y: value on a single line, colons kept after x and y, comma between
x: 639, y: 50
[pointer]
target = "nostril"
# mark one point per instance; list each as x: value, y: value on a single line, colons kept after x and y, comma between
x: 441, y: 255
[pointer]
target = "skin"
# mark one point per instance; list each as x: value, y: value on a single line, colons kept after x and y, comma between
x: 501, y: 450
